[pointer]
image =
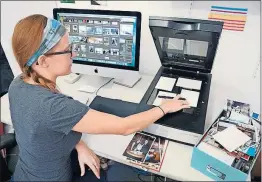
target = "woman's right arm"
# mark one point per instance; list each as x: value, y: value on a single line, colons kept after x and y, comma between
x: 95, y: 122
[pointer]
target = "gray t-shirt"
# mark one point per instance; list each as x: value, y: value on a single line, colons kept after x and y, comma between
x: 43, y: 123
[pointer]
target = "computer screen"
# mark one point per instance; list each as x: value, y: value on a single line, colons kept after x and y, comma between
x: 101, y: 38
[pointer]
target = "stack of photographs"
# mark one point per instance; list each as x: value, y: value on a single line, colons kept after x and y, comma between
x: 244, y: 156
x: 146, y: 151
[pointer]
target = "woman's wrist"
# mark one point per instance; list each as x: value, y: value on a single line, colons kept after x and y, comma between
x: 80, y: 145
x: 162, y: 110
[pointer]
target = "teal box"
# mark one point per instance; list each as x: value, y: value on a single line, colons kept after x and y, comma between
x: 216, y: 169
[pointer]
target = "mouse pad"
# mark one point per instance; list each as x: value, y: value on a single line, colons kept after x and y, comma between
x: 114, y: 106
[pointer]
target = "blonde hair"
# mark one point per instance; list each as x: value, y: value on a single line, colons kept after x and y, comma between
x: 26, y: 41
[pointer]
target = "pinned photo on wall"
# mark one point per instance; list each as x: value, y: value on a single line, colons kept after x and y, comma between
x: 234, y: 18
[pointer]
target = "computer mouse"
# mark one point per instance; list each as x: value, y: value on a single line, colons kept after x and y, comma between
x: 87, y: 89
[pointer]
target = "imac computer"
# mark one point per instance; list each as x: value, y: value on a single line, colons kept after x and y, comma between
x: 106, y: 42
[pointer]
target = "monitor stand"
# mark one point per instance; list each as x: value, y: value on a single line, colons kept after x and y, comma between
x: 91, y: 83
x: 98, y: 81
x: 128, y: 81
x: 94, y: 81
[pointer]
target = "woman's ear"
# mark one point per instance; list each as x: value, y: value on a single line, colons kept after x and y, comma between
x: 41, y: 61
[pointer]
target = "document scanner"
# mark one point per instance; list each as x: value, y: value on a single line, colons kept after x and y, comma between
x: 187, y: 49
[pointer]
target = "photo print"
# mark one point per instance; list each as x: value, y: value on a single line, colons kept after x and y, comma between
x: 238, y: 107
x: 82, y: 29
x: 106, y: 31
x: 106, y: 41
x: 122, y: 43
x: 90, y: 30
x: 83, y: 48
x: 98, y: 30
x: 68, y: 28
x: 91, y: 49
x: 74, y: 39
x: 126, y: 29
x: 106, y: 51
x: 114, y: 52
x: 238, y: 111
x: 83, y: 39
x: 98, y: 50
x: 114, y: 31
x: 76, y: 47
x: 129, y: 49
x: 95, y: 40
x: 75, y: 28
x: 139, y: 147
x: 114, y: 41
x: 155, y: 155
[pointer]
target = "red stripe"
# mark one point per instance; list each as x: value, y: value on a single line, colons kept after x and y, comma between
x: 233, y: 23
x: 233, y: 29
x: 234, y: 26
x: 229, y: 11
x: 227, y: 20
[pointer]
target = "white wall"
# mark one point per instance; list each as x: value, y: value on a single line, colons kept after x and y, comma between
x: 236, y: 60
x: 11, y: 13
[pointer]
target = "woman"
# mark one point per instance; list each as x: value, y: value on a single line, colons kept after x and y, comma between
x: 48, y: 124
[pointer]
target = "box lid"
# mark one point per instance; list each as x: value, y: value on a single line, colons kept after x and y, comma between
x: 183, y: 43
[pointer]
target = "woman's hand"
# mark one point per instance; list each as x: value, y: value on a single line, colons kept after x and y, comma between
x: 174, y: 105
x: 87, y: 157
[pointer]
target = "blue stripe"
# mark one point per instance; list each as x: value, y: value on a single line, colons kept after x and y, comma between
x: 228, y: 8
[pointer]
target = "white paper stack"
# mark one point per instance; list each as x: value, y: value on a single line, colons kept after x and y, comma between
x: 158, y: 101
x: 190, y: 96
x: 188, y: 83
x: 165, y: 83
x: 231, y: 138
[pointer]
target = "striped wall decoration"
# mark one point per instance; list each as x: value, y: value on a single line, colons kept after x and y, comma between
x: 234, y: 18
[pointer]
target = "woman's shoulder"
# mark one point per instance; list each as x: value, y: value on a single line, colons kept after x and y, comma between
x: 19, y: 89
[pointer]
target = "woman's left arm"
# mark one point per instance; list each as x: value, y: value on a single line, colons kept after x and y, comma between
x: 87, y: 157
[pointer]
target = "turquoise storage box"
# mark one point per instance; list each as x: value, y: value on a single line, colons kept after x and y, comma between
x: 216, y: 169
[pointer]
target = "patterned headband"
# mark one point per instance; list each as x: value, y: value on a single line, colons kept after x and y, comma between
x: 53, y: 32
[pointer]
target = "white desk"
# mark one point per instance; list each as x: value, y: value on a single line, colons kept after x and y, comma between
x: 177, y: 160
